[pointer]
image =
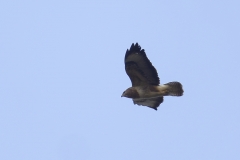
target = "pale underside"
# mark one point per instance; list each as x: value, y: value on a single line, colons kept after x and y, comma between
x: 150, y: 96
x: 151, y: 91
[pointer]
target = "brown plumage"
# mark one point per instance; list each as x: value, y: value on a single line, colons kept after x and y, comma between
x: 145, y: 89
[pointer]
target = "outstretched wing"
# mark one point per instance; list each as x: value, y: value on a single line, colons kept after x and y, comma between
x: 150, y: 102
x: 138, y: 67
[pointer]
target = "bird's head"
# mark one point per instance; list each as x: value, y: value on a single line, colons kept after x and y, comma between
x: 130, y: 93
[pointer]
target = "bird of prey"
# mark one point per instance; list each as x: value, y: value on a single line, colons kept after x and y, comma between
x: 146, y: 89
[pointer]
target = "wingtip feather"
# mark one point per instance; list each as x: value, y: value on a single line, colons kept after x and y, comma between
x: 136, y: 48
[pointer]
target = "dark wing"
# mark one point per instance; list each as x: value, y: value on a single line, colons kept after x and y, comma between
x: 150, y: 102
x: 138, y: 67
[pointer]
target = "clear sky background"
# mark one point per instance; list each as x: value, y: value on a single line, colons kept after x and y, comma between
x: 62, y: 76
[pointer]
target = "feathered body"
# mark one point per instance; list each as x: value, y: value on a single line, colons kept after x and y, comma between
x: 146, y: 89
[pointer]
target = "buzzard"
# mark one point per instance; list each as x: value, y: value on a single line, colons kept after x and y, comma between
x: 146, y: 89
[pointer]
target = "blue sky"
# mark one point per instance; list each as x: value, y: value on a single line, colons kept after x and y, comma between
x: 62, y: 75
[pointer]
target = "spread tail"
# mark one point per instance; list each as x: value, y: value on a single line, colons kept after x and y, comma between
x: 174, y: 89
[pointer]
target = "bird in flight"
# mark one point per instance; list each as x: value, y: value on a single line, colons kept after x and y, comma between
x: 146, y: 89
